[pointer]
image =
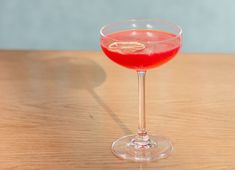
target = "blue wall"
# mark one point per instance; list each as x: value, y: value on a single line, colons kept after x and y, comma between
x: 208, y: 25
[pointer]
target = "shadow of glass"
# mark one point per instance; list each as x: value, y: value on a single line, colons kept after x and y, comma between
x: 82, y: 73
x: 36, y: 76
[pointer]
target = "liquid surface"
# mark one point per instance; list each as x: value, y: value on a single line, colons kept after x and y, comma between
x: 140, y: 49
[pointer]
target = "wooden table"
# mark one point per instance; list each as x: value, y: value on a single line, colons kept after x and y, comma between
x: 62, y: 110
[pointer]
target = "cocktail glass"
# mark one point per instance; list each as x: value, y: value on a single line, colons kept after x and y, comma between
x: 141, y: 45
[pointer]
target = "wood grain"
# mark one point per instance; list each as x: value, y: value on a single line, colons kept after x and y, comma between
x: 61, y: 110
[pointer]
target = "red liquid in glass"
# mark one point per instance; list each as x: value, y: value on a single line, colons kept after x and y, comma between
x: 140, y: 49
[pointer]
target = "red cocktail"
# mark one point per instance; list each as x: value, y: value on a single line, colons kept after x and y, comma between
x: 136, y: 49
x: 141, y: 45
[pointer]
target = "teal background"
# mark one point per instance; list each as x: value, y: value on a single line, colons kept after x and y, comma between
x: 208, y: 25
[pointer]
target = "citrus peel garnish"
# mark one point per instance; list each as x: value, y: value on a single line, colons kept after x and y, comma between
x: 126, y: 47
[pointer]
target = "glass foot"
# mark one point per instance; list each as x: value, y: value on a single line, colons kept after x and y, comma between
x: 141, y: 149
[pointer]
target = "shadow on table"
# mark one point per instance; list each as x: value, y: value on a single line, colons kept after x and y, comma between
x: 82, y: 73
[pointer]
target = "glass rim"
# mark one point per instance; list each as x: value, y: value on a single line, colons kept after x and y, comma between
x: 179, y: 32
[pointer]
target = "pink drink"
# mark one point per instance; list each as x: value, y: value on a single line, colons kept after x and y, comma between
x: 140, y: 49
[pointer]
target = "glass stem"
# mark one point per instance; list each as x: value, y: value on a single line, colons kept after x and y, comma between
x: 141, y: 87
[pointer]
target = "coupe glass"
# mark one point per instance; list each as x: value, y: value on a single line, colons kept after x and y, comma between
x: 141, y: 45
